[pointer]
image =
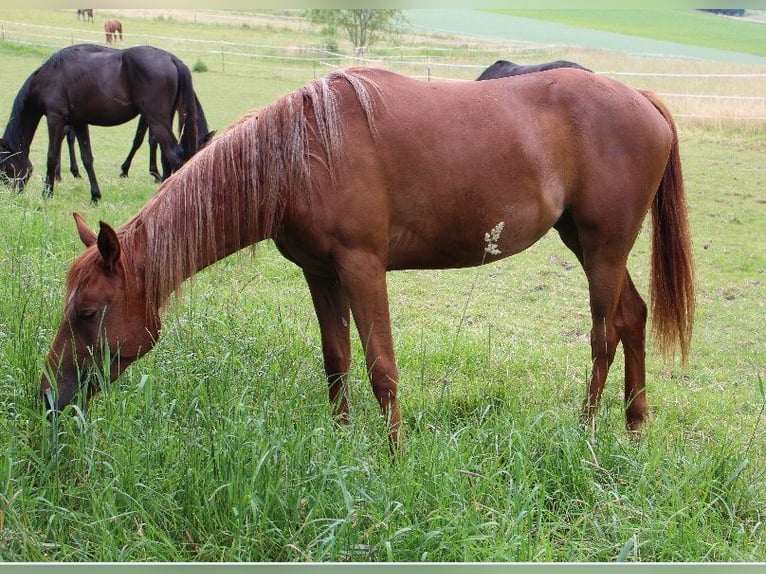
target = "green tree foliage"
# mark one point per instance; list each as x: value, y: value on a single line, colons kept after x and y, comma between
x: 363, y: 26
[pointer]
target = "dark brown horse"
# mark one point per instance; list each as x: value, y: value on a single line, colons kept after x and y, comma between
x: 204, y: 135
x: 94, y: 85
x: 112, y: 28
x: 85, y: 14
x: 504, y: 68
x: 365, y: 171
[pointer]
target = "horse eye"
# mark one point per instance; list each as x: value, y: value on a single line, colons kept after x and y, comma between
x: 87, y: 314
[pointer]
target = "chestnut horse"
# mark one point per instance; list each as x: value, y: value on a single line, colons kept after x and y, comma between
x: 112, y: 28
x: 365, y: 171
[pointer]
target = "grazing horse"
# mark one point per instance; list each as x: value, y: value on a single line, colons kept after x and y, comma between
x: 504, y: 68
x: 85, y: 14
x: 203, y: 135
x: 95, y: 85
x: 112, y: 28
x: 365, y: 171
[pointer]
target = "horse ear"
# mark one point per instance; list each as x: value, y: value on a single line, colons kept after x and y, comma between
x: 86, y: 233
x: 108, y: 246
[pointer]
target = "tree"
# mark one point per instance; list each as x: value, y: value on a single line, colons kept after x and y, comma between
x: 362, y: 25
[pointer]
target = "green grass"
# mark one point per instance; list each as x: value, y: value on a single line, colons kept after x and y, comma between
x: 681, y: 26
x: 220, y: 446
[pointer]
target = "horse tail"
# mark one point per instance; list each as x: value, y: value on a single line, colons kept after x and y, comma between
x: 187, y: 109
x: 672, y: 268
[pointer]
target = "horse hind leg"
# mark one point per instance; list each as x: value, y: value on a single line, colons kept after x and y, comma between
x: 630, y: 322
x: 153, y: 171
x: 138, y: 139
x: 618, y: 314
x: 83, y: 138
x: 73, y: 168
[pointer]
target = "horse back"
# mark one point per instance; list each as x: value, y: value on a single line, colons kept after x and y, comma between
x: 85, y: 84
x: 439, y: 164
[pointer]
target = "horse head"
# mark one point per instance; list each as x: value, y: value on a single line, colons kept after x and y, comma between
x: 15, y: 166
x: 105, y: 325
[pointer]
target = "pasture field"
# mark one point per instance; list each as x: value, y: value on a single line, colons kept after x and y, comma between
x: 220, y: 446
x: 685, y: 26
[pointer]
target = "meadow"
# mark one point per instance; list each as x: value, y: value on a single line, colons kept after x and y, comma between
x: 219, y: 445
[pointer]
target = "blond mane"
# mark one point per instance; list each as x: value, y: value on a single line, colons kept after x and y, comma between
x: 236, y: 189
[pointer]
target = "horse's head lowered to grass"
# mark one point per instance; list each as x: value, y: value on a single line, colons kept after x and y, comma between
x: 100, y: 333
x: 15, y: 167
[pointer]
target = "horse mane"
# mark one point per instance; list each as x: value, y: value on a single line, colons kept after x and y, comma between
x: 14, y: 129
x: 233, y: 192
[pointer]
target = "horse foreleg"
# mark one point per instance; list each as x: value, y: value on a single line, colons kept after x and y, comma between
x: 631, y: 327
x: 363, y: 277
x: 332, y: 311
x: 138, y: 139
x: 55, y: 136
x: 83, y: 138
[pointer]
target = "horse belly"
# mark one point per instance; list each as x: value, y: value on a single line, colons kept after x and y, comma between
x: 444, y: 212
x: 469, y: 227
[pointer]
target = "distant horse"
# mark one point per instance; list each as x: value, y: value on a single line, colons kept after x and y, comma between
x: 364, y: 171
x: 112, y: 28
x: 204, y: 135
x: 504, y: 68
x: 85, y: 14
x: 90, y: 84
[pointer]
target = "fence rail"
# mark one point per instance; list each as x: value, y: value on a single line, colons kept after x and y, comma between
x: 707, y: 96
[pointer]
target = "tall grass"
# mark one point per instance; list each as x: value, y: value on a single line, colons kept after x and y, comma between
x: 220, y: 445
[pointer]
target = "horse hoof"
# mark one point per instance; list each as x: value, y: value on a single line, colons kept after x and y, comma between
x: 124, y: 174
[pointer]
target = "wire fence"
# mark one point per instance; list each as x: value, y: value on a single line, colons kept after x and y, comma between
x: 712, y: 97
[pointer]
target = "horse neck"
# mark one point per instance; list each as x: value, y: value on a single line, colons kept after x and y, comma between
x: 24, y: 119
x: 209, y: 209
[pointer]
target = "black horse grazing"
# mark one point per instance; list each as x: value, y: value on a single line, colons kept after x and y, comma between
x: 89, y: 84
x: 203, y: 135
x: 503, y: 68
